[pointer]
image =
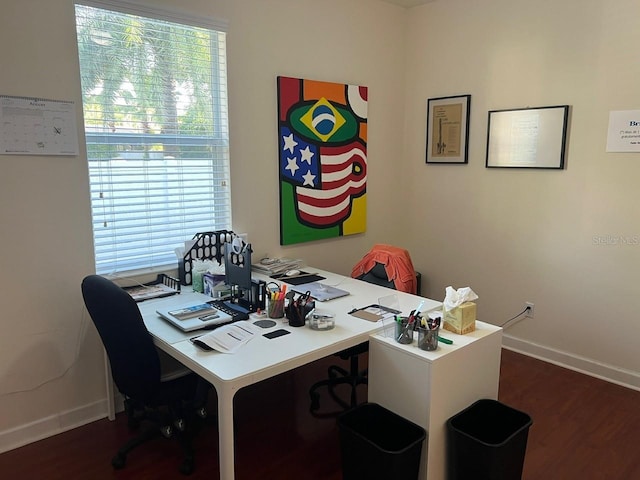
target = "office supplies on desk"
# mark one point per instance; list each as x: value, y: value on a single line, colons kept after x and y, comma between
x: 235, y: 311
x: 320, y: 291
x: 321, y: 320
x: 276, y: 306
x: 274, y: 266
x: 375, y: 312
x: 416, y: 312
x: 299, y: 278
x: 203, y: 246
x: 428, y: 333
x: 194, y: 317
x: 162, y: 286
x: 265, y: 323
x: 298, y: 309
x: 404, y: 330
x: 245, y: 291
x: 276, y: 333
x: 228, y: 338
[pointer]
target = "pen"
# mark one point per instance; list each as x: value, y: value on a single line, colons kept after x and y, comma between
x: 416, y: 312
x: 445, y: 340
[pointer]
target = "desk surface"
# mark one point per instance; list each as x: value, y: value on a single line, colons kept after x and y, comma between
x: 263, y: 358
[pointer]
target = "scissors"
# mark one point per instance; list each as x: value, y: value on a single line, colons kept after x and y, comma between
x: 304, y: 299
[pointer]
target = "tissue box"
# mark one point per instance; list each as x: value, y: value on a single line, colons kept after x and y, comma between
x: 210, y: 281
x: 461, y: 319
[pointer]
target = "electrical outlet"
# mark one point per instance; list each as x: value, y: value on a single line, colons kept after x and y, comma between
x: 529, y: 309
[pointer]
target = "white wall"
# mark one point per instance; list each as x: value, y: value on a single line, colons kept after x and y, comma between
x: 516, y: 236
x: 51, y: 363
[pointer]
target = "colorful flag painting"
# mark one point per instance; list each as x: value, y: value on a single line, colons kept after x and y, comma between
x: 322, y: 155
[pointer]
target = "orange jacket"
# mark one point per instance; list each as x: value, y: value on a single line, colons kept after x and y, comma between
x: 397, y: 263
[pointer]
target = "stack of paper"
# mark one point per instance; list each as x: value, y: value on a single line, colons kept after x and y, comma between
x: 273, y: 266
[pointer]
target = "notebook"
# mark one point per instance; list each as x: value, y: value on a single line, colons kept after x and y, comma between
x: 320, y: 291
x: 195, y: 316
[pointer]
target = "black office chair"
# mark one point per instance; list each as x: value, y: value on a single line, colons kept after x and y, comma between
x: 171, y: 406
x: 354, y: 376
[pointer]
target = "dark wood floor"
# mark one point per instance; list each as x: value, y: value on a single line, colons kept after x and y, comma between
x: 583, y: 428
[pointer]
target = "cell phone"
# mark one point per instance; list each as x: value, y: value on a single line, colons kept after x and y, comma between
x: 276, y: 333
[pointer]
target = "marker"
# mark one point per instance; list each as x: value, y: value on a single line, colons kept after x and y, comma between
x: 445, y: 340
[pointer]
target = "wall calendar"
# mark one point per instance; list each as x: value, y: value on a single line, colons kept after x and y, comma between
x: 37, y: 126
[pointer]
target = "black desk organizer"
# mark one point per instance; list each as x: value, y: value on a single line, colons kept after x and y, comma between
x: 138, y: 291
x: 207, y: 246
x: 249, y: 294
x: 245, y: 291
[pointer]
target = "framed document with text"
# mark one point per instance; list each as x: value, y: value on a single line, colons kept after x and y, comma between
x: 527, y: 137
x: 448, y: 129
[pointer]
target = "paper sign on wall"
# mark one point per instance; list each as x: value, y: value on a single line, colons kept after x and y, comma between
x: 624, y: 131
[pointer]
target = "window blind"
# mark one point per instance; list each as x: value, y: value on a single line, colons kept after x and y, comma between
x: 156, y: 128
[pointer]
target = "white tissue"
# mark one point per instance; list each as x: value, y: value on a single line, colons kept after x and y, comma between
x: 454, y: 298
x: 203, y: 266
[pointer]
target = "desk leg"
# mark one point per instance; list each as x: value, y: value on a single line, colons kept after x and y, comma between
x: 225, y: 433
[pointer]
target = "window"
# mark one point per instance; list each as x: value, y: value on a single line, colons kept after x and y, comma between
x: 154, y: 94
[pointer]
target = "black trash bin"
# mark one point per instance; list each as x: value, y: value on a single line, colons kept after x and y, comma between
x: 487, y: 441
x: 377, y: 444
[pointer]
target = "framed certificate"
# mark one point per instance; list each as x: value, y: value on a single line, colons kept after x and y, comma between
x: 448, y: 129
x: 527, y: 137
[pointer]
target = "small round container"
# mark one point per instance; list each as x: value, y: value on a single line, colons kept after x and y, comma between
x: 321, y: 320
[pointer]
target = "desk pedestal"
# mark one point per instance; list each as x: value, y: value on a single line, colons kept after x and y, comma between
x: 428, y: 388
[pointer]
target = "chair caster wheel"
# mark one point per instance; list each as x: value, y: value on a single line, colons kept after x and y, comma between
x: 202, y: 413
x: 187, y: 467
x: 180, y: 424
x: 118, y: 461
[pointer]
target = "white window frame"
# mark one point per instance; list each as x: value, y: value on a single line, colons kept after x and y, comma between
x: 149, y: 259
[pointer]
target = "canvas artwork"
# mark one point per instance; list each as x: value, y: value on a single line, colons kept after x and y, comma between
x: 322, y: 137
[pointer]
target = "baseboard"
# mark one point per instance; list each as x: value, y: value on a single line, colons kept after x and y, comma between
x: 46, y: 427
x: 619, y: 376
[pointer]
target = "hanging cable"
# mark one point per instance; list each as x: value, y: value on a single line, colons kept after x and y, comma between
x: 504, y: 325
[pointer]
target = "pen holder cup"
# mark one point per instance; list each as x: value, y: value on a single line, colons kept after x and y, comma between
x: 276, y: 308
x: 404, y: 331
x: 428, y: 338
x: 297, y: 314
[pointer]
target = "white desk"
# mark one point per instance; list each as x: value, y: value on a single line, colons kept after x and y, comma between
x: 428, y: 388
x: 262, y: 358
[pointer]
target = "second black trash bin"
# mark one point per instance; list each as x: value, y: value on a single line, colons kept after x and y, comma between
x: 377, y: 444
x: 487, y: 441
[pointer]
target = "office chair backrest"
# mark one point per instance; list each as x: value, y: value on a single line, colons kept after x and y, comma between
x: 378, y: 276
x: 135, y: 364
x: 396, y: 263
